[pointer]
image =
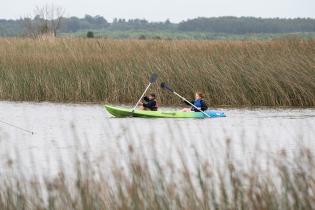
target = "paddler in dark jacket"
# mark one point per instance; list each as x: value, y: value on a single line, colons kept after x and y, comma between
x: 198, y: 102
x: 149, y: 103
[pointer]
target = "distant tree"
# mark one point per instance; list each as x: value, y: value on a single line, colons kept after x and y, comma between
x: 122, y: 20
x: 157, y: 37
x: 89, y: 19
x: 210, y: 28
x: 142, y: 37
x: 115, y: 20
x: 47, y: 20
x: 90, y: 34
x: 96, y: 21
x: 70, y: 25
x: 243, y: 25
x: 99, y: 20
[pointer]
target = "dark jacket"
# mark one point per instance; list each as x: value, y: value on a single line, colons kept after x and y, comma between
x: 198, y: 103
x: 149, y: 104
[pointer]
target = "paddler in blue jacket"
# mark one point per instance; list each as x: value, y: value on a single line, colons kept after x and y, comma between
x: 198, y: 102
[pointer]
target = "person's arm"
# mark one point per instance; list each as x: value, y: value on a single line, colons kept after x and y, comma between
x: 188, y: 104
x: 150, y: 104
x: 146, y: 99
x: 204, y: 106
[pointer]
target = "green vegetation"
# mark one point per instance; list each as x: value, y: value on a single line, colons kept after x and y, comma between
x: 237, y: 73
x: 244, y: 25
x: 141, y: 182
x: 199, y: 28
x: 11, y: 27
x: 167, y: 35
x: 90, y: 34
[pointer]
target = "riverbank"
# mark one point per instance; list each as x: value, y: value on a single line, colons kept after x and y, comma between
x: 231, y: 73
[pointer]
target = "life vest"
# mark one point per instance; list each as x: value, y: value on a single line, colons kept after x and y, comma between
x: 198, y: 103
x: 155, y: 108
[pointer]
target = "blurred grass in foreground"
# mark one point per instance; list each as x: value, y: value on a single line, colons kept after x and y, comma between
x: 238, y: 73
x: 144, y: 183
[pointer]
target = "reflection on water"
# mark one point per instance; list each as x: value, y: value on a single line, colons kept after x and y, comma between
x: 64, y: 130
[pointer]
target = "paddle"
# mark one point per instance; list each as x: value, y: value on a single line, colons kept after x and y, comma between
x: 166, y: 87
x: 152, y: 79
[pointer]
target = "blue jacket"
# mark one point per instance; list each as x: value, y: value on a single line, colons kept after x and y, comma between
x: 200, y: 103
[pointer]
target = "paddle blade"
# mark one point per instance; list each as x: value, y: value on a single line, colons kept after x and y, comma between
x: 164, y: 86
x: 153, y: 78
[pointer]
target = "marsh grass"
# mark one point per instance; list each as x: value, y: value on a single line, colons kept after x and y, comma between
x: 286, y: 183
x: 238, y: 73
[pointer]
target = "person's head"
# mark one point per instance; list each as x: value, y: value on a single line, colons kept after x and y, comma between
x: 199, y: 95
x: 152, y: 96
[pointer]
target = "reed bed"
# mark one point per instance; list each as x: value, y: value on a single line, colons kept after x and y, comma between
x: 286, y: 183
x: 233, y: 73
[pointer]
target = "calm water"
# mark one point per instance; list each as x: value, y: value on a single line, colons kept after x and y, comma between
x: 64, y: 131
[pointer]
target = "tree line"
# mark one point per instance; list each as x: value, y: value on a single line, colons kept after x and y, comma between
x: 243, y: 25
x: 229, y: 25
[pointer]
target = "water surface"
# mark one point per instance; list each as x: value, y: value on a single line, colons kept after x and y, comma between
x: 62, y: 131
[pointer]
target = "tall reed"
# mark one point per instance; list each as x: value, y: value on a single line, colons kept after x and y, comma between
x: 259, y: 73
x: 147, y: 184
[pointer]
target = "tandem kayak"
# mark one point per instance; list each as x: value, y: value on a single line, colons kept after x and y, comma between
x: 125, y: 112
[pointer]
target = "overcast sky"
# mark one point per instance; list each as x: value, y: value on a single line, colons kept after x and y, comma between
x: 160, y: 10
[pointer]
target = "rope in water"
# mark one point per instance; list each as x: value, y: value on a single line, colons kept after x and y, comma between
x: 17, y: 127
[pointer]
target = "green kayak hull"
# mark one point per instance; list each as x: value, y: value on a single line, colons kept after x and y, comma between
x: 125, y: 112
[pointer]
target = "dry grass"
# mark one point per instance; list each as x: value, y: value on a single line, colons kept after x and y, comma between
x: 271, y: 73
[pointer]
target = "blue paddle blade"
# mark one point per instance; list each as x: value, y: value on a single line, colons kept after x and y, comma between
x: 164, y: 86
x: 153, y: 78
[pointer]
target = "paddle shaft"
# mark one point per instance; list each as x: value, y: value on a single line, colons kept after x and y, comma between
x: 190, y: 103
x: 17, y: 127
x: 141, y: 97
